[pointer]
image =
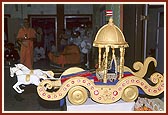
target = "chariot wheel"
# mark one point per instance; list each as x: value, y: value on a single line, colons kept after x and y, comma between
x: 130, y: 93
x: 77, y: 95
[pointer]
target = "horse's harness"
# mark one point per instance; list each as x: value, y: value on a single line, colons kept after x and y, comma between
x: 27, y: 75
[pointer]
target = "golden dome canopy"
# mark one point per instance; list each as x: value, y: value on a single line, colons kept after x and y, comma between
x: 111, y: 36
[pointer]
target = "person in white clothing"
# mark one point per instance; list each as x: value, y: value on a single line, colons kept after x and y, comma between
x: 54, y: 49
x: 39, y: 53
x: 85, y: 49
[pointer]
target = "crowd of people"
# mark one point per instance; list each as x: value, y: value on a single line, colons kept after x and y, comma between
x: 80, y: 36
x: 32, y: 49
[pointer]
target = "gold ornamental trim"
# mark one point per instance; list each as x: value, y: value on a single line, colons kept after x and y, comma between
x: 102, y: 93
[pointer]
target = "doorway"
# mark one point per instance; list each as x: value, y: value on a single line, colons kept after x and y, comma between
x: 155, y: 38
x: 48, y: 26
x: 144, y: 39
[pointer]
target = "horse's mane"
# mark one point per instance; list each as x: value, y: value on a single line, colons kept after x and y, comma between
x: 21, y: 66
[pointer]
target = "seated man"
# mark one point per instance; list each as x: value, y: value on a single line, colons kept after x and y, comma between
x: 39, y: 53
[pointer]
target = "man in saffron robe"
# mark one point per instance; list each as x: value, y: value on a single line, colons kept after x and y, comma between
x: 26, y: 36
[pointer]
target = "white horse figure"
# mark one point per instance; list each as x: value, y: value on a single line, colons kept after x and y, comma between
x: 38, y: 72
x: 25, y: 78
x: 21, y: 66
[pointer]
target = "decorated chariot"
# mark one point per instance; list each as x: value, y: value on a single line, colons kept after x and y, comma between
x: 110, y: 82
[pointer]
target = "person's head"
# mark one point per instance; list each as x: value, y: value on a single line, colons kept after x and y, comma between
x: 26, y: 23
